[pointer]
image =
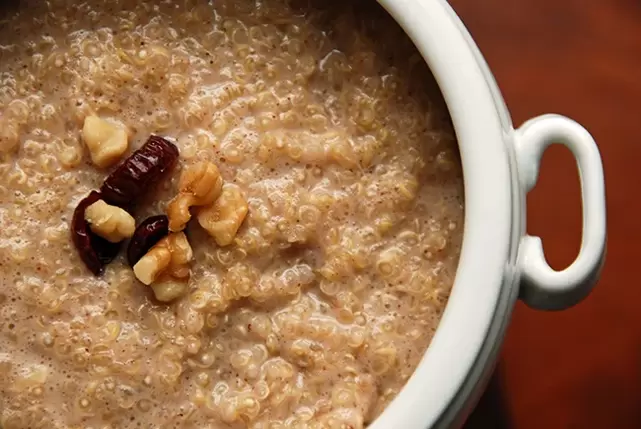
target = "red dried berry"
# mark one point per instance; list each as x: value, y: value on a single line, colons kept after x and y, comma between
x: 147, y: 234
x: 95, y: 251
x: 138, y: 173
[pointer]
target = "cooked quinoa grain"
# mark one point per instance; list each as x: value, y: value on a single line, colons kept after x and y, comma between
x: 323, y: 118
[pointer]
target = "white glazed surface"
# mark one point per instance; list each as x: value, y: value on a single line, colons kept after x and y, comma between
x: 500, y: 166
x: 488, y: 218
x: 542, y: 286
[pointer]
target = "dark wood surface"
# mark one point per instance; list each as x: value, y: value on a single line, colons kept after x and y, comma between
x: 579, y: 368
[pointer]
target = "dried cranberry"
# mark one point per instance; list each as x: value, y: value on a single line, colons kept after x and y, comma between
x: 148, y: 233
x: 142, y: 170
x: 95, y: 251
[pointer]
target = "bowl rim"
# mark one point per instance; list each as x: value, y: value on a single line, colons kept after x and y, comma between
x: 486, y: 251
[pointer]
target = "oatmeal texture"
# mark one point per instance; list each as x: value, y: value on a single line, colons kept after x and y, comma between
x: 326, y: 120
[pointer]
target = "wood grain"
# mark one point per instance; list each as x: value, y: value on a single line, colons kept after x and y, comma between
x: 579, y: 368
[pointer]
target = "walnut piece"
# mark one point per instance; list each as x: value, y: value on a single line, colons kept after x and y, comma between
x: 223, y: 218
x: 199, y: 185
x: 165, y: 266
x: 106, y: 142
x: 110, y: 222
x: 167, y: 289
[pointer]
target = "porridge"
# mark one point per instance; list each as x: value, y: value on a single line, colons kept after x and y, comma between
x: 301, y: 284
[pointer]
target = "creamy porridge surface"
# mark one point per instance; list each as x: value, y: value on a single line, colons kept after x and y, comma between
x: 317, y: 314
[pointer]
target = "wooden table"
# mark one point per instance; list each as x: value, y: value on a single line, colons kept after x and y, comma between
x: 579, y: 368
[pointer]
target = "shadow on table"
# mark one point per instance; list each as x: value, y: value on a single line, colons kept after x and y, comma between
x: 492, y: 410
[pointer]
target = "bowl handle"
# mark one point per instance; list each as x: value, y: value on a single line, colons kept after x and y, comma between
x: 541, y: 286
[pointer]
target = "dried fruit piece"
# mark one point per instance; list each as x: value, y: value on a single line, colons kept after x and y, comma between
x: 95, y: 251
x: 110, y: 222
x: 142, y: 170
x: 199, y: 185
x: 148, y: 233
x: 223, y: 218
x: 166, y: 263
x: 107, y: 142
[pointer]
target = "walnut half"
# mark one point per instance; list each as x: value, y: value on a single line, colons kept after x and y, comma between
x: 165, y: 267
x: 110, y: 222
x: 199, y: 185
x: 223, y: 218
x: 106, y: 142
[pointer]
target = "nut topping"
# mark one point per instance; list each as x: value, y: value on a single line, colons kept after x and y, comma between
x: 223, y: 218
x: 199, y: 185
x: 167, y: 289
x: 109, y: 222
x: 94, y: 250
x: 167, y: 261
x: 106, y: 142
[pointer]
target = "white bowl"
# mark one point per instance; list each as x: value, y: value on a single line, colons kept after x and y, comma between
x: 499, y: 263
